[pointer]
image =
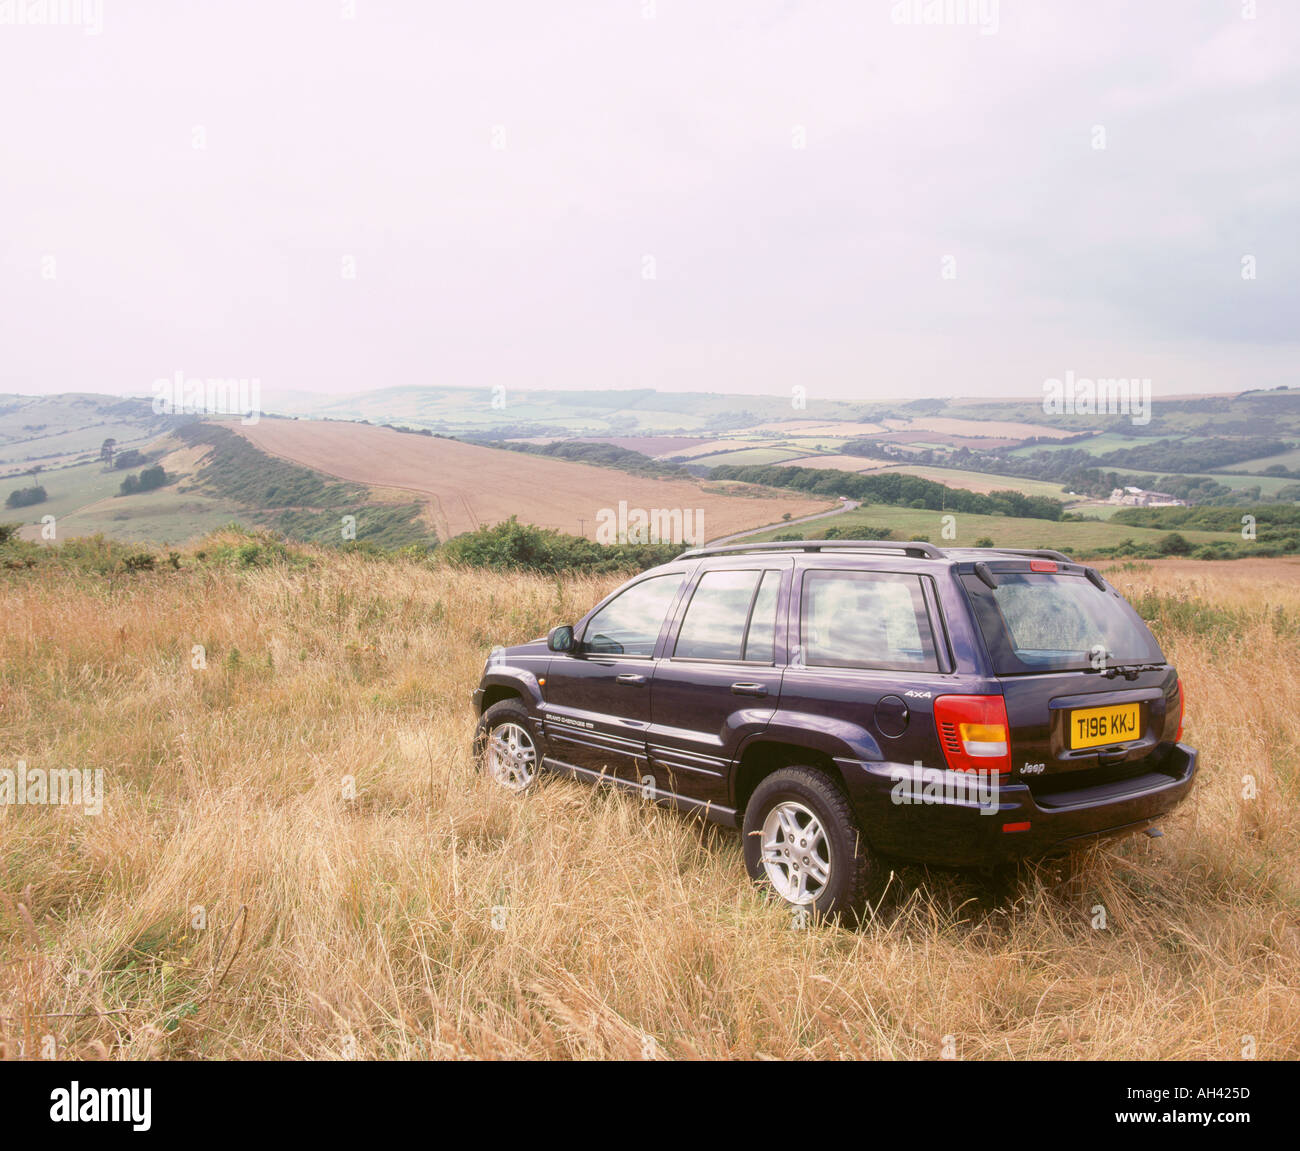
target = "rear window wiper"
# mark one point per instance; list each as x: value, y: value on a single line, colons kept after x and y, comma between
x: 1128, y: 670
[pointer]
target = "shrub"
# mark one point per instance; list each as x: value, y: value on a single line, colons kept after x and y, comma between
x: 510, y: 546
x: 146, y: 481
x: 25, y: 497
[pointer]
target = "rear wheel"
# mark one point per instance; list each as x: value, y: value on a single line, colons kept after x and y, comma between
x: 507, y: 746
x: 803, y: 844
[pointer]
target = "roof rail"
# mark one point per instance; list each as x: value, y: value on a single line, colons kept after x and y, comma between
x: 913, y: 548
x: 1040, y: 553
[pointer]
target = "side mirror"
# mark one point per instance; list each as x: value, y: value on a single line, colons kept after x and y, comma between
x: 560, y: 638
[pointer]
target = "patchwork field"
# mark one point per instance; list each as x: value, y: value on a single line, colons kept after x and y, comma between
x: 468, y: 487
x: 998, y: 429
x: 1005, y: 531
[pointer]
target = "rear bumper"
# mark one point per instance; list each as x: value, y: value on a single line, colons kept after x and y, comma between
x: 942, y: 820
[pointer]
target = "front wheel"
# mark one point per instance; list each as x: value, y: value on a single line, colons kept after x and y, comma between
x: 803, y: 844
x: 506, y: 745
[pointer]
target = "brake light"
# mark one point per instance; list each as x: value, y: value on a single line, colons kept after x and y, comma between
x: 974, y: 732
x: 1042, y: 566
x: 1178, y: 737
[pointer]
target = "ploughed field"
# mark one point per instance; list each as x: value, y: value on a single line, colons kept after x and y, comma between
x: 468, y: 486
x: 297, y: 857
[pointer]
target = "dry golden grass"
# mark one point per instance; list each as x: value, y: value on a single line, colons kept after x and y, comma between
x: 363, y: 927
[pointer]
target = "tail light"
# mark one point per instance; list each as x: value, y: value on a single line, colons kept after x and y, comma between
x: 1178, y: 737
x: 974, y: 732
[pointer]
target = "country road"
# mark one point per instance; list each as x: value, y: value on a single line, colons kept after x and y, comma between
x: 847, y: 506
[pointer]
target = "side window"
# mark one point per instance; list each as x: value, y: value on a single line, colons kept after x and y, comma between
x: 732, y: 616
x: 629, y: 624
x: 714, y: 627
x: 866, y: 619
x: 760, y: 643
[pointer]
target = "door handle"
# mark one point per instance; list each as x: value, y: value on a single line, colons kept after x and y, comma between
x: 629, y: 677
x: 749, y: 689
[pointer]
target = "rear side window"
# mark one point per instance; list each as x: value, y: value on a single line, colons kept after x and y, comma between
x: 629, y: 624
x: 1055, y: 622
x: 866, y: 619
x: 732, y: 616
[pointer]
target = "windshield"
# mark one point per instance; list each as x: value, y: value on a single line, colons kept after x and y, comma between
x: 1054, y: 622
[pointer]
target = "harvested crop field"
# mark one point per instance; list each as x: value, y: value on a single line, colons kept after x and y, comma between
x: 838, y: 463
x: 653, y: 446
x: 468, y: 487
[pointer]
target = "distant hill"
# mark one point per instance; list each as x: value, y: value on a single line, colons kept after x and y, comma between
x: 54, y: 431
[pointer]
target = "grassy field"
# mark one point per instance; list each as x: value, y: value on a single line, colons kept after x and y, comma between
x: 1075, y: 537
x: 1289, y: 459
x: 1268, y: 485
x: 1097, y: 445
x: 84, y: 499
x: 67, y: 488
x: 56, y: 430
x: 297, y: 858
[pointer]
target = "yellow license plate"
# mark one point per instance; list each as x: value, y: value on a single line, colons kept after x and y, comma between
x: 1096, y: 726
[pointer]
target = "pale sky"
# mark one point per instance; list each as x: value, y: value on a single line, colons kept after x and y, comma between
x: 499, y: 174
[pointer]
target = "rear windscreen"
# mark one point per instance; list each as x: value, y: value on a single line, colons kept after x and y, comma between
x: 1036, y: 621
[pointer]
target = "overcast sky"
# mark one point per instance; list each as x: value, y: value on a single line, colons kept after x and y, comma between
x: 184, y: 189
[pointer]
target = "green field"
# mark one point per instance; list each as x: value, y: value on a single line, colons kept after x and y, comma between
x: 168, y: 515
x: 1289, y: 459
x: 1098, y: 445
x: 1268, y: 485
x: 68, y: 488
x: 84, y: 499
x: 1005, y: 531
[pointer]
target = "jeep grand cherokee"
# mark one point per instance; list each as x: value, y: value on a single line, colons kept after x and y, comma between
x: 848, y: 702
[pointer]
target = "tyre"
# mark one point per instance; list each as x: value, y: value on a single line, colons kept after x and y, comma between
x: 507, y: 745
x: 803, y: 844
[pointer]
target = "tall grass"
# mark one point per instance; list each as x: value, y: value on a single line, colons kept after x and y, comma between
x: 307, y: 799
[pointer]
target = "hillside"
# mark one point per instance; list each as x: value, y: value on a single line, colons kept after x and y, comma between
x: 50, y: 431
x: 466, y: 486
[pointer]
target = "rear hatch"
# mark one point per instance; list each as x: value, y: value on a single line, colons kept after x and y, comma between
x: 1090, y: 697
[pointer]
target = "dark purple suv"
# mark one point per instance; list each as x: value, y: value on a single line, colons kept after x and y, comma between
x: 845, y: 702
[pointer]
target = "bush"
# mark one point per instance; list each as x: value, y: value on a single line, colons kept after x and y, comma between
x: 512, y: 546
x: 985, y: 542
x: 146, y: 481
x: 25, y: 497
